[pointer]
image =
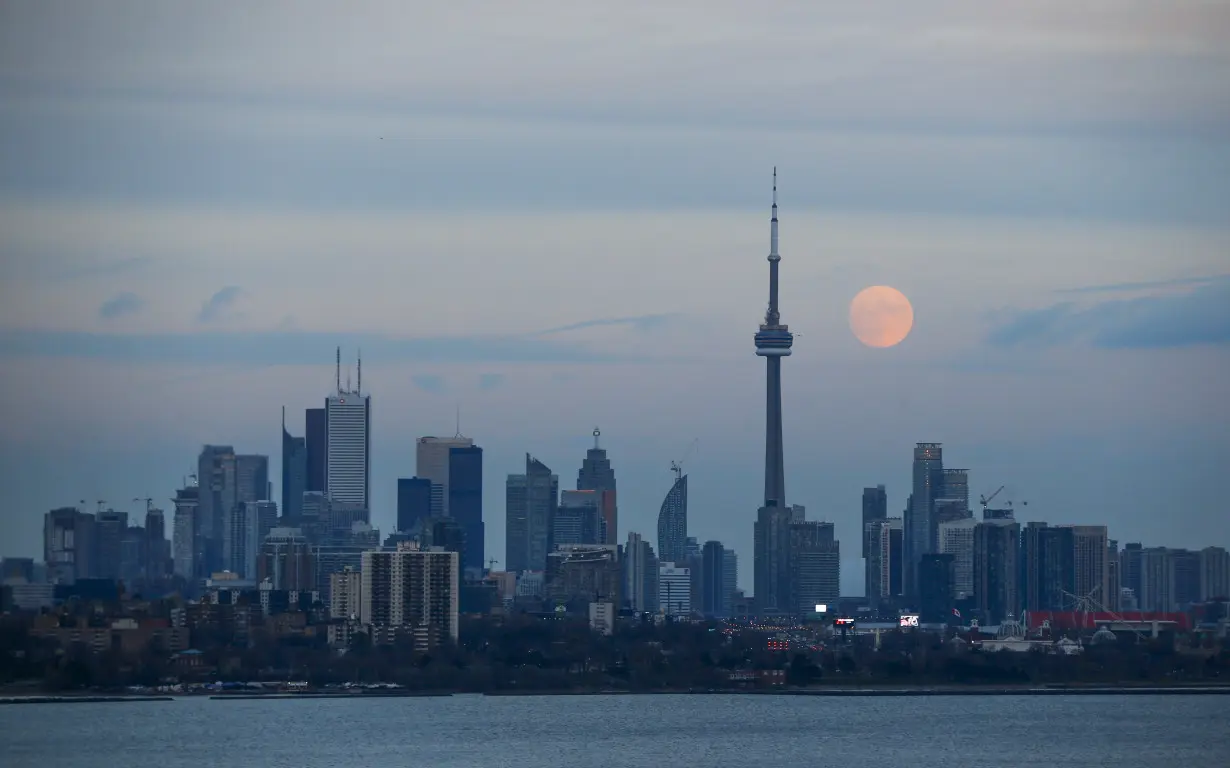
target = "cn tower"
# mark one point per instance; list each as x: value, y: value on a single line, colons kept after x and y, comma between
x: 773, y: 342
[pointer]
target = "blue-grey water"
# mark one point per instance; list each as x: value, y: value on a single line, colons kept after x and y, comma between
x: 585, y: 731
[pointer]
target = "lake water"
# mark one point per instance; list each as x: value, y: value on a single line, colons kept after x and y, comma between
x: 658, y: 731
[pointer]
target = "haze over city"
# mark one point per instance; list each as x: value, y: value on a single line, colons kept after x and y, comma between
x: 559, y: 226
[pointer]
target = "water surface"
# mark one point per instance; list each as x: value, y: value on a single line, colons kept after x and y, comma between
x: 593, y: 731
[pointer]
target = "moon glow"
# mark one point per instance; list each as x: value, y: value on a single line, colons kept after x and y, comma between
x: 881, y: 316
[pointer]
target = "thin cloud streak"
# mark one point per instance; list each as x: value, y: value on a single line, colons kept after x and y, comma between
x: 639, y: 323
x: 293, y: 348
x: 1145, y: 285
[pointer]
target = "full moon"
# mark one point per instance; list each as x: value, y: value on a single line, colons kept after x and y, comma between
x: 881, y: 316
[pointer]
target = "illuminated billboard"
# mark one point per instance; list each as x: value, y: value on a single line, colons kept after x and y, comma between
x: 909, y: 621
x: 821, y: 608
x: 843, y: 622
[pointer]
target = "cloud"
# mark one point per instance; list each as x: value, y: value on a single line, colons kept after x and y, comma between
x: 639, y: 323
x: 1198, y: 317
x: 121, y: 304
x: 219, y: 303
x: 429, y: 383
x: 1145, y: 285
x: 294, y: 348
x: 490, y: 381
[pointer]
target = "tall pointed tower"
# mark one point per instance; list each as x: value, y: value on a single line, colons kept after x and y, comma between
x: 773, y: 342
x: 772, y: 528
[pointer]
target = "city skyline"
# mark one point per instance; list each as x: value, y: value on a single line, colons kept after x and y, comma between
x: 553, y: 236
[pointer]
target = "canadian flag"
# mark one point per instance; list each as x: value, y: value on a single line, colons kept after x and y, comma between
x: 956, y: 613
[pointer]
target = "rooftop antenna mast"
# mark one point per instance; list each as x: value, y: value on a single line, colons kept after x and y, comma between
x: 458, y: 421
x: 339, y: 370
x: 359, y: 365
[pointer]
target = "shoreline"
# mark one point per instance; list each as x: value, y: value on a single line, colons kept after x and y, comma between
x: 831, y: 692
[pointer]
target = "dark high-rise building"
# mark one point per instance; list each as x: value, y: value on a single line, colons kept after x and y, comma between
x: 578, y: 519
x: 251, y: 485
x: 157, y: 550
x: 884, y: 561
x: 465, y: 501
x: 68, y: 545
x: 1129, y: 568
x: 771, y: 560
x: 920, y: 525
x: 956, y: 489
x: 714, y: 603
x: 294, y: 473
x: 530, y: 503
x: 814, y: 566
x: 413, y: 502
x: 996, y: 543
x: 1186, y: 564
x: 640, y: 566
x: 935, y: 580
x: 1048, y: 569
x: 597, y: 475
x: 875, y: 508
x: 217, y: 497
x: 673, y: 522
x: 109, y: 530
x: 315, y: 442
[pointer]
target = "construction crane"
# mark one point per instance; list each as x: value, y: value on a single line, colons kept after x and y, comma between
x: 985, y: 500
x: 491, y: 563
x: 100, y: 503
x: 677, y: 466
x: 149, y: 503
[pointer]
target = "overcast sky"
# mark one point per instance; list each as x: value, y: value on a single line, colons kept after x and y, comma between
x: 557, y: 218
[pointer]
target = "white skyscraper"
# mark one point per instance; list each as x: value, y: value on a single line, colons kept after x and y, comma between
x: 675, y: 590
x: 348, y: 421
x: 431, y: 461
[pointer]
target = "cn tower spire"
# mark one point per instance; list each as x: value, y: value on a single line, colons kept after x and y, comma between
x: 772, y: 316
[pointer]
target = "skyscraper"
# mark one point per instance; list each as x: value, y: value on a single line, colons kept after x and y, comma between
x: 640, y: 574
x: 875, y: 507
x: 578, y: 518
x: 884, y: 561
x: 465, y: 502
x: 996, y: 544
x: 530, y: 503
x: 432, y: 461
x: 348, y: 420
x: 316, y: 437
x: 920, y: 530
x: 184, y: 544
x: 814, y: 566
x: 68, y: 545
x: 413, y: 502
x: 956, y: 538
x: 713, y: 601
x: 597, y: 475
x: 251, y: 485
x: 294, y: 473
x: 673, y: 521
x: 216, y: 498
